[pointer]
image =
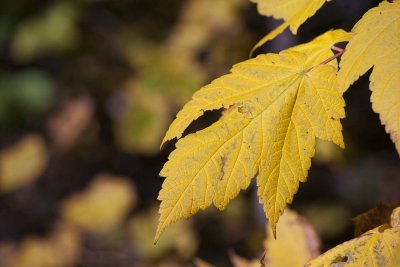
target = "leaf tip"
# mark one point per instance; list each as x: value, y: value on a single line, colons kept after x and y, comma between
x: 274, y: 232
x: 159, y: 231
x: 273, y: 229
x: 165, y: 139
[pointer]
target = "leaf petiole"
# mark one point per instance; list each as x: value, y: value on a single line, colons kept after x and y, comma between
x: 339, y: 51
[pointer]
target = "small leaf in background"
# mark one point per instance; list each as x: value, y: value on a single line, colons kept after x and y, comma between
x: 142, y: 120
x: 201, y: 22
x: 67, y: 125
x: 28, y: 93
x: 22, y: 163
x: 179, y: 238
x: 297, y: 242
x: 53, y: 30
x: 102, y: 205
x: 150, y: 96
x: 372, y: 218
x: 174, y: 77
x: 377, y: 247
x: 60, y: 249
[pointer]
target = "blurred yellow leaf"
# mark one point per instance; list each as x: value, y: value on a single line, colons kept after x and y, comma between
x: 22, y: 163
x: 61, y: 249
x: 179, y: 237
x: 297, y: 242
x: 200, y: 22
x: 52, y: 30
x: 174, y: 76
x: 377, y: 247
x: 102, y: 205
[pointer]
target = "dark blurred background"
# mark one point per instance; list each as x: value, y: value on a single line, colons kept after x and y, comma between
x: 87, y: 90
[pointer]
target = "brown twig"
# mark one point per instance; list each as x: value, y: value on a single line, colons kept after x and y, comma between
x: 339, y: 51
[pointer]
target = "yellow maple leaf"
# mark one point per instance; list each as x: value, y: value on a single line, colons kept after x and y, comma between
x: 293, y: 12
x: 278, y: 104
x: 377, y: 247
x: 376, y: 42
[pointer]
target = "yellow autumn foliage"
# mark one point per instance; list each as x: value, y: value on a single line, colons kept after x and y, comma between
x: 277, y: 105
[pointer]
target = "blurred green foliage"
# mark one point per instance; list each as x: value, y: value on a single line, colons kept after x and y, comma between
x: 27, y: 93
x: 52, y: 30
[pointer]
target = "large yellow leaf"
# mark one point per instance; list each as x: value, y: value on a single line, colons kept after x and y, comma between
x: 293, y: 12
x: 277, y: 106
x: 378, y: 247
x: 377, y: 43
